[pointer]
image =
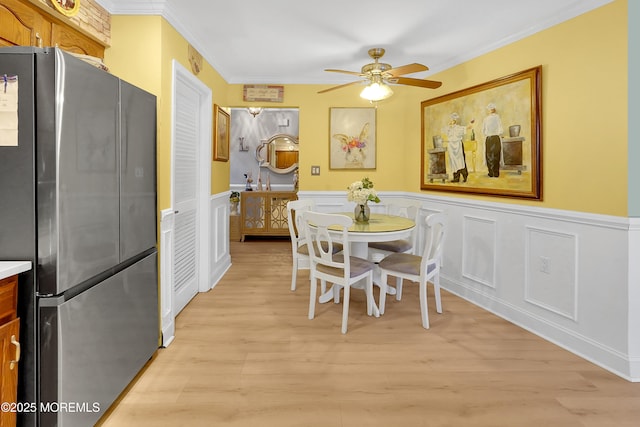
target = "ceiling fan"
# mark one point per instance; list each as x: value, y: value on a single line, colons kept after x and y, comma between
x: 378, y: 75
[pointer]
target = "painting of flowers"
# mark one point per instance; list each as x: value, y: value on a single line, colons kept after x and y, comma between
x: 352, y: 133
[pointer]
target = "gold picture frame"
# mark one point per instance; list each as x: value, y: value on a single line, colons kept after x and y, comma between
x: 462, y: 151
x: 220, y: 134
x: 352, y: 138
x: 67, y: 7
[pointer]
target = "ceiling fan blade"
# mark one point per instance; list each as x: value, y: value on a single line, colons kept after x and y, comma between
x: 340, y: 86
x: 429, y: 84
x: 407, y: 69
x: 353, y: 73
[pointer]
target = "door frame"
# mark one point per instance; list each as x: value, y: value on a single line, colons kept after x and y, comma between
x: 203, y: 191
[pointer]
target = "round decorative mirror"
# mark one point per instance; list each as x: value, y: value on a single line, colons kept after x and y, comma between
x: 279, y: 153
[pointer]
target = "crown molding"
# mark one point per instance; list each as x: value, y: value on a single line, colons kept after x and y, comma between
x: 134, y: 7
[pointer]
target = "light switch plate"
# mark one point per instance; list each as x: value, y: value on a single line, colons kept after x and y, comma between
x: 315, y: 170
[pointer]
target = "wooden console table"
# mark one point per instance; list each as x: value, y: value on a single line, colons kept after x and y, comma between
x: 264, y: 213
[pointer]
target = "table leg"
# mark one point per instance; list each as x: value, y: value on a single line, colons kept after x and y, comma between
x: 361, y: 250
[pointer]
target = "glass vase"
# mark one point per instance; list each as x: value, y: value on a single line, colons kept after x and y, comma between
x: 362, y: 213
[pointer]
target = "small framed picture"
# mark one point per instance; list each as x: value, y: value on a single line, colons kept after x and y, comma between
x: 221, y: 134
x: 352, y: 138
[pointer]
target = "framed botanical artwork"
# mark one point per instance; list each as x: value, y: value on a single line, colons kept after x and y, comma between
x: 221, y: 133
x: 485, y: 139
x: 352, y: 138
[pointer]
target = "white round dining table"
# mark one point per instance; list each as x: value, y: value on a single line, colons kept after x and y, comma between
x: 380, y: 228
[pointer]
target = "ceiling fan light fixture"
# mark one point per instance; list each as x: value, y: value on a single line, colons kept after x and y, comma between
x: 376, y: 92
x: 254, y: 111
x: 378, y: 74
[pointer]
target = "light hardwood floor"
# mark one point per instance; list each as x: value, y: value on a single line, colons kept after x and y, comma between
x: 245, y: 354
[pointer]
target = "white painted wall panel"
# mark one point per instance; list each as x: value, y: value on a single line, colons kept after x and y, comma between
x: 479, y: 250
x: 551, y: 279
x: 587, y: 303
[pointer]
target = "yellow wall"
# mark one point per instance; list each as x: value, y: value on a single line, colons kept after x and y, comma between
x: 314, y: 135
x: 584, y: 119
x: 135, y: 51
x: 584, y: 102
x: 142, y: 52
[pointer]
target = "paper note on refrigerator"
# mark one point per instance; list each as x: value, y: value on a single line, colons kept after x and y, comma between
x: 8, y: 110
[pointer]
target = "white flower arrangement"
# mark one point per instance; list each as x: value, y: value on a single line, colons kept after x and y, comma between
x: 362, y: 192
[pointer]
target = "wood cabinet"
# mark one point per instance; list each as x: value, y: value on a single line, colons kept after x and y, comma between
x: 264, y: 213
x: 8, y: 298
x: 68, y: 39
x: 9, y: 347
x: 234, y: 228
x: 22, y: 24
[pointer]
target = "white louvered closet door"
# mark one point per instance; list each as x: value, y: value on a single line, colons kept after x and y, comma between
x: 185, y: 191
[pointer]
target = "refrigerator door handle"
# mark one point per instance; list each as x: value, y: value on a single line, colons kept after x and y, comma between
x: 15, y: 342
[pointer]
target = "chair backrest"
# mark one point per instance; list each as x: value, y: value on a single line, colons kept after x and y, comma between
x: 294, y: 219
x: 435, y: 233
x: 321, y: 240
x: 407, y: 209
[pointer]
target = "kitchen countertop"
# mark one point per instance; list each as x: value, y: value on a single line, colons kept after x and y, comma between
x: 10, y: 268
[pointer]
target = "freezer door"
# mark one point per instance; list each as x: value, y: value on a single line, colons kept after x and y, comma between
x: 138, y: 171
x: 94, y: 344
x: 17, y: 188
x: 77, y: 170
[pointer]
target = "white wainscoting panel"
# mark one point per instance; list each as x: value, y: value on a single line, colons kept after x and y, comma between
x: 551, y: 271
x: 588, y: 303
x: 479, y: 250
x: 220, y: 258
x: 166, y: 276
x: 634, y: 295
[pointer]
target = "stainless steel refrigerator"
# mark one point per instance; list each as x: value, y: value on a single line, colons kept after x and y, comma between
x: 78, y: 194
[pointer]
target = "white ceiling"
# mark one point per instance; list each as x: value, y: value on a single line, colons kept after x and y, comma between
x: 293, y: 41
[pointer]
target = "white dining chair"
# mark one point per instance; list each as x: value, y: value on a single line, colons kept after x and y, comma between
x: 407, y: 209
x: 342, y: 269
x: 418, y: 268
x: 299, y: 250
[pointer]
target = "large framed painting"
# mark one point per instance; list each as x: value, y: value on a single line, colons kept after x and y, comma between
x: 485, y: 139
x: 352, y: 138
x: 220, y: 134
